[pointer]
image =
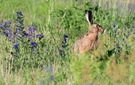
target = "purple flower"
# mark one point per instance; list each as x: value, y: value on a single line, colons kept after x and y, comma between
x: 40, y: 36
x: 33, y: 44
x: 51, y: 78
x: 10, y: 21
x: 60, y: 51
x: 7, y: 33
x: 64, y: 45
x: 5, y: 24
x: 19, y: 20
x: 17, y: 29
x: 25, y: 33
x: 15, y: 46
x: 6, y: 28
x: 19, y: 13
x: 114, y: 24
x: 64, y: 38
x: 31, y: 29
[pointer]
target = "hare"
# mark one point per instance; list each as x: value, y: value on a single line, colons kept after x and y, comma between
x: 88, y: 41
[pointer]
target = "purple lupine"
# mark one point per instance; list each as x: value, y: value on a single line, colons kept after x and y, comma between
x: 25, y: 33
x: 64, y: 45
x: 64, y: 42
x: 31, y: 29
x: 60, y: 51
x: 114, y: 24
x: 16, y: 46
x: 19, y: 21
x: 19, y: 13
x: 65, y: 37
x: 5, y: 25
x: 10, y: 21
x: 33, y: 44
x: 51, y: 78
x: 40, y: 36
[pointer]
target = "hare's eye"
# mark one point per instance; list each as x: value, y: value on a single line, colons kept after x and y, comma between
x: 97, y: 26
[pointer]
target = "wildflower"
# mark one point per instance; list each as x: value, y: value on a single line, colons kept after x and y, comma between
x: 19, y: 20
x: 6, y: 28
x: 17, y: 29
x: 65, y: 37
x: 64, y: 45
x: 19, y: 13
x: 60, y: 51
x: 5, y: 25
x: 33, y: 44
x: 15, y: 35
x: 5, y: 33
x: 9, y: 38
x: 40, y: 36
x: 15, y: 46
x: 31, y: 29
x: 25, y: 33
x: 51, y: 78
x: 114, y: 24
x: 10, y: 21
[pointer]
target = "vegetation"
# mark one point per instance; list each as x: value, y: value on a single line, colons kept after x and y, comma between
x: 37, y: 37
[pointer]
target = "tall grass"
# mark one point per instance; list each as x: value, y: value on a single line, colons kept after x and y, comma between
x: 40, y: 53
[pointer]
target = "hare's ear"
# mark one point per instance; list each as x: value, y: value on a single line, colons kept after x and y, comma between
x: 88, y: 15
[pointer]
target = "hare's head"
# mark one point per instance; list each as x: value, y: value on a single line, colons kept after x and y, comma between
x: 95, y: 28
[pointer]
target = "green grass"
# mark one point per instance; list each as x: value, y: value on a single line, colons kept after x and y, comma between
x: 112, y: 63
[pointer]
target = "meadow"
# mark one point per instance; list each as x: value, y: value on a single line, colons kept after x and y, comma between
x: 36, y: 37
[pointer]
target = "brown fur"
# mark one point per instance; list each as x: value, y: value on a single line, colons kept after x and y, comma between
x: 89, y: 40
